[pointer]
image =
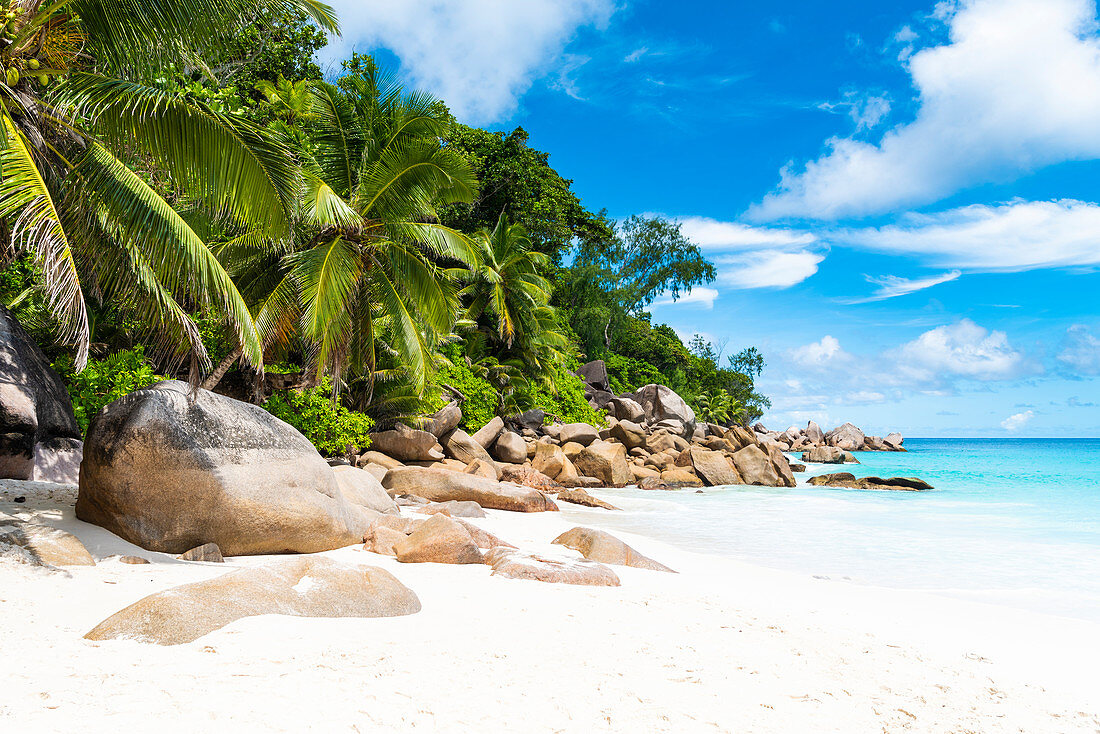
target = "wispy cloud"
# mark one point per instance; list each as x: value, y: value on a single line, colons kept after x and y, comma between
x: 700, y: 295
x: 892, y: 286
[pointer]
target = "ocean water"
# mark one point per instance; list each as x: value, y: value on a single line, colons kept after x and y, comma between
x: 1014, y: 522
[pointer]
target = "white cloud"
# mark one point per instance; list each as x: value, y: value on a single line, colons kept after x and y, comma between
x: 820, y: 354
x: 960, y: 350
x: 479, y: 56
x: 1080, y: 350
x: 636, y: 54
x: 1017, y: 421
x: 865, y: 396
x: 1016, y: 88
x: 768, y: 269
x: 704, y: 296
x: 1018, y: 235
x: 712, y: 234
x: 891, y: 286
x: 866, y: 111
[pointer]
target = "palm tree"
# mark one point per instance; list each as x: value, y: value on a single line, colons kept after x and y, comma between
x: 84, y: 132
x: 507, y: 290
x: 373, y: 271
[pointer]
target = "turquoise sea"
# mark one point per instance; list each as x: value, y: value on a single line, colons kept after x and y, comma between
x: 1011, y: 521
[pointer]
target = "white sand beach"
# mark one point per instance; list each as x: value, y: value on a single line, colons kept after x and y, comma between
x: 720, y: 646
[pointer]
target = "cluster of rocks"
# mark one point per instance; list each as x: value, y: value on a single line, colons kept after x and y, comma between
x: 846, y: 438
x: 652, y: 439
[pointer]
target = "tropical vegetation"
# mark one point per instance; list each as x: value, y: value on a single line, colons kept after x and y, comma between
x: 183, y: 193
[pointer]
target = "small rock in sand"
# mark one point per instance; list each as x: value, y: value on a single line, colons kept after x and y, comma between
x: 208, y: 552
x: 517, y: 564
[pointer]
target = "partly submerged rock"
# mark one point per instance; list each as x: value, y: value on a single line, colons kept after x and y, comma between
x: 596, y: 545
x: 580, y: 497
x: 517, y: 564
x: 168, y: 468
x: 440, y: 486
x: 849, y: 480
x: 305, y: 586
x: 824, y: 455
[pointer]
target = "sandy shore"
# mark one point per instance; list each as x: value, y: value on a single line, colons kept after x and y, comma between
x: 721, y: 646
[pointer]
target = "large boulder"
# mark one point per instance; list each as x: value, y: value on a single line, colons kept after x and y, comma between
x: 168, y: 469
x: 306, y: 586
x: 34, y: 406
x: 606, y: 462
x: 662, y: 403
x: 813, y: 433
x: 439, y: 539
x: 444, y: 420
x: 532, y: 420
x: 782, y: 466
x: 755, y: 467
x: 516, y: 564
x: 894, y: 441
x: 595, y: 374
x: 846, y: 437
x: 459, y: 445
x: 362, y: 488
x: 660, y: 441
x: 581, y: 433
x: 407, y: 444
x: 526, y: 475
x: 824, y: 455
x: 596, y: 545
x: 598, y: 399
x: 713, y: 467
x: 629, y: 434
x: 440, y: 486
x: 488, y: 433
x: 549, y: 459
x: 627, y: 409
x: 510, y: 448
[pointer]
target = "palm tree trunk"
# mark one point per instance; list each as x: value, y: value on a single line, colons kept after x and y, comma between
x: 216, y: 376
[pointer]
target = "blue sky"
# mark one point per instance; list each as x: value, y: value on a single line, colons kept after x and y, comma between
x: 902, y: 199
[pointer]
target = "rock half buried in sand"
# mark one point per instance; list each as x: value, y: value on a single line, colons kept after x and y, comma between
x: 308, y: 586
x: 169, y: 469
x: 596, y: 545
x: 453, y: 508
x: 580, y: 497
x: 439, y: 539
x: 207, y: 552
x: 517, y: 564
x: 441, y: 486
x: 45, y: 545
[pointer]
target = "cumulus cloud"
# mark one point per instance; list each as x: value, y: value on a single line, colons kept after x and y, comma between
x: 700, y: 295
x: 1017, y: 421
x: 1016, y: 88
x: 767, y: 269
x: 477, y: 55
x: 820, y: 354
x: 1080, y: 350
x: 892, y: 286
x: 1018, y: 235
x: 960, y: 350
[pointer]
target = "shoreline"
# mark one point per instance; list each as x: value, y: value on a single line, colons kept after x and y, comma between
x: 722, y: 645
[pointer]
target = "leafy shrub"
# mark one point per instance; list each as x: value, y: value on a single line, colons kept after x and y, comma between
x: 481, y: 399
x: 627, y: 374
x: 105, y: 380
x: 331, y: 427
x: 565, y: 400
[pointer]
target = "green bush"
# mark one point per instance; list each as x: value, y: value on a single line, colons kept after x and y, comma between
x: 104, y: 381
x: 481, y: 398
x: 627, y: 374
x: 330, y: 427
x: 565, y: 400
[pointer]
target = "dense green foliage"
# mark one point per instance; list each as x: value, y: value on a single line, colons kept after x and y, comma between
x: 331, y: 427
x: 104, y: 381
x: 222, y: 206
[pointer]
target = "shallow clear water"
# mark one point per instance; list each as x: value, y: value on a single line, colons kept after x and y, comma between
x: 1014, y: 522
